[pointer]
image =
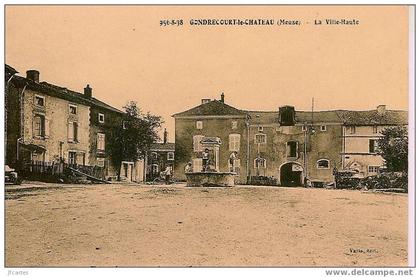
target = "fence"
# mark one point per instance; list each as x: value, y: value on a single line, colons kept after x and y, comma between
x: 54, y: 171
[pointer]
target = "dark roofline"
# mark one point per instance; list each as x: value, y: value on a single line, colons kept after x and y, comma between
x: 10, y: 69
x: 185, y: 113
x: 62, y: 93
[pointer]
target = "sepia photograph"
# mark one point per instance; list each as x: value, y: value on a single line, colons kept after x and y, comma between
x: 209, y: 136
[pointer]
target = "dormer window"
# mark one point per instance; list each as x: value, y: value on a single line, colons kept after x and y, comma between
x: 73, y: 109
x: 101, y: 118
x: 40, y: 101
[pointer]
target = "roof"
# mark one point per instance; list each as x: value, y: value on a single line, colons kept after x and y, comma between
x: 10, y: 69
x: 169, y: 146
x: 61, y: 92
x: 372, y: 117
x: 92, y: 101
x: 270, y: 117
x: 214, y: 107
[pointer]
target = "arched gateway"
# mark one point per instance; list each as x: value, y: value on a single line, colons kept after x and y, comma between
x: 291, y: 174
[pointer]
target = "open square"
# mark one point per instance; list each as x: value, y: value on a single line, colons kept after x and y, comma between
x: 140, y: 225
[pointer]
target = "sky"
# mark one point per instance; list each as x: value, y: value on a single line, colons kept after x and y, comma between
x: 124, y: 54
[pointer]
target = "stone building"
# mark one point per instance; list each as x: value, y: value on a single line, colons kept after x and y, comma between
x: 287, y: 146
x: 159, y: 156
x: 290, y: 145
x: 217, y: 121
x: 45, y: 124
x: 361, y: 131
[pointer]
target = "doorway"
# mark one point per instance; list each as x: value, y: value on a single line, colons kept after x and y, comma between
x: 291, y: 175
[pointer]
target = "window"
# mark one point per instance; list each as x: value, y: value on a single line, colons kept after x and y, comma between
x: 170, y: 156
x: 260, y: 129
x: 155, y: 168
x: 154, y: 156
x: 304, y: 128
x: 323, y: 128
x: 124, y: 125
x: 373, y: 169
x: 234, y: 142
x: 100, y: 162
x: 72, y: 131
x: 72, y: 109
x: 101, y: 118
x: 198, y: 147
x: 72, y: 157
x: 260, y: 138
x: 374, y: 129
x: 199, y: 125
x: 100, y: 141
x: 351, y: 129
x: 323, y: 164
x: 292, y: 149
x: 373, y: 146
x: 260, y: 163
x: 234, y: 124
x: 40, y: 101
x: 39, y: 126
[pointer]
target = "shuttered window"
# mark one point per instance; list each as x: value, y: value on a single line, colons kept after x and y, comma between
x: 373, y: 146
x: 234, y: 142
x: 100, y: 141
x: 73, y: 132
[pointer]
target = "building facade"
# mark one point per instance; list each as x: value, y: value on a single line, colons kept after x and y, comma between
x: 44, y: 124
x: 287, y: 146
x: 213, y: 120
x: 361, y: 131
x: 159, y: 157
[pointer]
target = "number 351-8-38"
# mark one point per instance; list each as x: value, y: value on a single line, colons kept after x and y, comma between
x: 171, y: 22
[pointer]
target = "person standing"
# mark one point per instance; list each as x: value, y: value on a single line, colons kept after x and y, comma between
x: 206, y: 157
x: 232, y: 159
x: 168, y: 173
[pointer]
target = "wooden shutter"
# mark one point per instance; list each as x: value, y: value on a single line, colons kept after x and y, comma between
x: 70, y: 131
x: 47, y: 128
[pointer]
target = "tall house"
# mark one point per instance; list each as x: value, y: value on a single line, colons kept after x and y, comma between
x: 213, y: 122
x: 290, y: 145
x: 361, y: 131
x: 45, y: 123
x: 103, y: 118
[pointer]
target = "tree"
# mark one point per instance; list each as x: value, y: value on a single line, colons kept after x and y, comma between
x: 393, y: 147
x: 131, y: 139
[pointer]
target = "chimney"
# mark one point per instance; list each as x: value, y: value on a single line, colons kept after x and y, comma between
x: 381, y: 109
x: 88, y: 92
x: 205, y: 100
x: 222, y: 97
x: 33, y: 75
x: 165, y: 136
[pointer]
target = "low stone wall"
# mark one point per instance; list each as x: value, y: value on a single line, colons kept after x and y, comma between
x: 210, y: 179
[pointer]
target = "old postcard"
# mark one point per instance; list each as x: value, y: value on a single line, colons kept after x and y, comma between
x: 209, y: 136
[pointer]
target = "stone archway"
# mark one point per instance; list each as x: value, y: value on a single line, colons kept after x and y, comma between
x: 291, y: 174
